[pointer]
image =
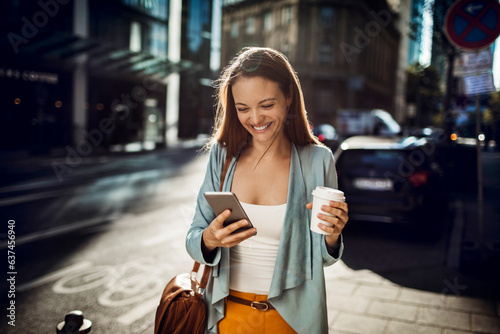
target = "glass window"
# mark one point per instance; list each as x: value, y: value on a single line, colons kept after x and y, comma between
x: 326, y: 16
x: 156, y: 8
x: 198, y: 23
x: 324, y: 101
x: 287, y: 15
x: 158, y: 40
x: 234, y: 29
x: 268, y: 23
x: 325, y: 53
x: 250, y: 25
x: 286, y: 49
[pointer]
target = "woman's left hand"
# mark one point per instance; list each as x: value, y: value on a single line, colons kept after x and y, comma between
x: 339, y: 210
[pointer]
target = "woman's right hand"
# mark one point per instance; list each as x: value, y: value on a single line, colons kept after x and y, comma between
x: 218, y: 235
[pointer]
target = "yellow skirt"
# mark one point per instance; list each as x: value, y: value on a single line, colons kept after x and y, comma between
x: 242, y: 319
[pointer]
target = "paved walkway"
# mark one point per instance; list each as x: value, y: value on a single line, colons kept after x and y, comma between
x: 364, y: 302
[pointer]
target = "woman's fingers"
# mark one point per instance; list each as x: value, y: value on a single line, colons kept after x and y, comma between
x: 234, y: 238
x: 225, y: 236
x: 332, y: 230
x: 337, y: 216
x: 220, y: 219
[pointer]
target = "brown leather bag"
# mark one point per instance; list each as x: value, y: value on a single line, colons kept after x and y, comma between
x: 182, y: 309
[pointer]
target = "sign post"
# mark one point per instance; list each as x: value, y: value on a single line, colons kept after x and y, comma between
x: 473, y: 25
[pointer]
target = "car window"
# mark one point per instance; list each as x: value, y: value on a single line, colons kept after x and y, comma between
x: 383, y: 158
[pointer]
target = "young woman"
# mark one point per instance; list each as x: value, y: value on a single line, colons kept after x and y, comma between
x: 268, y: 279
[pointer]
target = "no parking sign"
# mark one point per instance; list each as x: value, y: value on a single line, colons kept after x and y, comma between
x: 473, y: 24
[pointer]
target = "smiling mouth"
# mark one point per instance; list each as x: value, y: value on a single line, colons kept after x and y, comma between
x: 260, y: 128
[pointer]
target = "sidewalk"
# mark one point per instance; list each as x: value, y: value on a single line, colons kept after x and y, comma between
x: 481, y: 251
x: 365, y: 302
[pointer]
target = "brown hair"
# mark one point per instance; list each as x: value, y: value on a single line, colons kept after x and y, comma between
x: 272, y: 65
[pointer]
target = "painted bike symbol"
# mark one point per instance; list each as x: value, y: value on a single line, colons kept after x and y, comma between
x: 125, y: 284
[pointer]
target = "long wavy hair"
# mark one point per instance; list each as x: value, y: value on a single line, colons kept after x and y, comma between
x: 269, y: 64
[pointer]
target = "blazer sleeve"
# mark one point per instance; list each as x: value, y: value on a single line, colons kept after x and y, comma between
x: 203, y: 214
x: 330, y: 178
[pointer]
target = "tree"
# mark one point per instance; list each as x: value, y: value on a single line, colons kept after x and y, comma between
x: 424, y: 91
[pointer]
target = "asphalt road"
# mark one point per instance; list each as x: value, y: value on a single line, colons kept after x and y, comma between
x: 115, y: 269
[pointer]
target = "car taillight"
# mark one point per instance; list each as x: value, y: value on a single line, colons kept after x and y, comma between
x: 420, y: 178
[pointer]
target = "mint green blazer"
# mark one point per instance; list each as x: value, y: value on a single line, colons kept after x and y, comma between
x: 298, y: 285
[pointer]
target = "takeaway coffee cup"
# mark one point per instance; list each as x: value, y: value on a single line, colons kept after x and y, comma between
x: 323, y: 196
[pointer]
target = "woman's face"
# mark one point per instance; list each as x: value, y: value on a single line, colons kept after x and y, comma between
x: 261, y: 107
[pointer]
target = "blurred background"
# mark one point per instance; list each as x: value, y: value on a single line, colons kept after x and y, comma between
x: 105, y: 104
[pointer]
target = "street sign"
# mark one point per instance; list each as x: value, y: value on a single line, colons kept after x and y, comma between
x: 476, y: 71
x: 472, y: 24
x: 477, y: 62
x: 479, y: 84
x: 472, y: 62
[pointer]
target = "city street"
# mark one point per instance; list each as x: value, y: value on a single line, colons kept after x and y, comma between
x: 115, y: 269
x: 136, y: 219
x: 105, y: 107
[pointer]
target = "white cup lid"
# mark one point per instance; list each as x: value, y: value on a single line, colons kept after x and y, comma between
x: 329, y: 194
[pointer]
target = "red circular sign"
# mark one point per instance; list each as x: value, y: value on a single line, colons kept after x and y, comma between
x: 472, y: 24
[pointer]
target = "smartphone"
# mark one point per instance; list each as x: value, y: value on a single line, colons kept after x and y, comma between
x: 220, y: 201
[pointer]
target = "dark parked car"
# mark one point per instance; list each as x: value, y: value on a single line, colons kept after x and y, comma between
x: 391, y: 180
x: 327, y: 134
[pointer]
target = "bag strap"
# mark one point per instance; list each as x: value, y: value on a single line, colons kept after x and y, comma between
x: 196, y: 266
x: 224, y: 171
x: 204, y: 278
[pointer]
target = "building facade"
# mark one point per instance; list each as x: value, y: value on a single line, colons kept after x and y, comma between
x: 92, y: 76
x: 196, y: 91
x: 415, y: 31
x: 345, y: 52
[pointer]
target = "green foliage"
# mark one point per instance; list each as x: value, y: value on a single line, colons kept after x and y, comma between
x: 492, y: 114
x: 423, y: 89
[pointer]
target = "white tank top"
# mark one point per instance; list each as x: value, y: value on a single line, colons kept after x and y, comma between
x: 253, y: 260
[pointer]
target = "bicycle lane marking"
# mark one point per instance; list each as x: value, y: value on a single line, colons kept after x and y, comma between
x: 139, y: 311
x: 91, y: 279
x: 124, y: 284
x: 54, y: 276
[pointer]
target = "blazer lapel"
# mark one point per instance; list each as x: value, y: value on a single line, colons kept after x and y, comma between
x: 293, y: 263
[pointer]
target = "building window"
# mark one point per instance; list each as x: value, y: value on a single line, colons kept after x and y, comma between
x: 324, y: 101
x: 285, y: 49
x: 268, y: 21
x: 158, y: 40
x: 234, y: 29
x: 326, y: 16
x: 250, y: 26
x: 325, y: 53
x: 287, y: 15
x: 135, y: 36
x: 156, y: 8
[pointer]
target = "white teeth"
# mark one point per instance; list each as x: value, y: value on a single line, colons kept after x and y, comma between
x: 260, y: 128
